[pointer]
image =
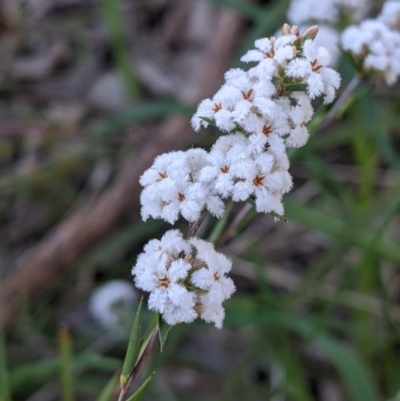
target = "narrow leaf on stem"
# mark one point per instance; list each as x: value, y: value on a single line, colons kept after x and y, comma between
x: 163, y: 330
x: 66, y: 377
x: 141, y: 390
x: 133, y: 349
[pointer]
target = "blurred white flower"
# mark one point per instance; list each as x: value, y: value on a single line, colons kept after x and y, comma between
x: 390, y: 14
x: 302, y: 12
x: 113, y: 302
x: 376, y: 47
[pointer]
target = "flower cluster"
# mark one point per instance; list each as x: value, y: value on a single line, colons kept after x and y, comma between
x: 186, y: 279
x: 375, y: 46
x: 172, y: 187
x: 263, y: 115
x: 262, y: 111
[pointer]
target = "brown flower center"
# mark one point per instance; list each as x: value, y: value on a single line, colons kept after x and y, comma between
x: 216, y: 277
x: 247, y: 95
x: 269, y: 54
x: 164, y: 282
x: 266, y: 130
x: 162, y: 175
x: 224, y: 169
x: 181, y: 197
x: 315, y: 66
x: 217, y: 107
x: 258, y: 180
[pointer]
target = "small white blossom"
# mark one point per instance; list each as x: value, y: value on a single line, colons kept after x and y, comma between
x: 271, y: 53
x: 212, y: 277
x: 314, y: 71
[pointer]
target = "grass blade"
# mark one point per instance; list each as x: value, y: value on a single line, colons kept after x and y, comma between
x: 5, y: 394
x: 141, y: 390
x: 110, y: 389
x: 66, y: 376
x: 163, y: 330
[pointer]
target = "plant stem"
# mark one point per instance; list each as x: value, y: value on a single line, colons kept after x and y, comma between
x: 344, y: 96
x: 194, y: 227
x: 232, y: 227
x: 146, y: 350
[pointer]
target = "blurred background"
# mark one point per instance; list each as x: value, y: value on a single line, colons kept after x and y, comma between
x: 90, y: 92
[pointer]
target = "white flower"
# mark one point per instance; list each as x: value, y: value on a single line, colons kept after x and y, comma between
x: 266, y: 186
x: 218, y: 109
x: 226, y: 152
x: 164, y: 285
x: 329, y: 38
x: 212, y: 277
x: 271, y: 53
x: 110, y: 303
x: 211, y: 312
x: 314, y: 71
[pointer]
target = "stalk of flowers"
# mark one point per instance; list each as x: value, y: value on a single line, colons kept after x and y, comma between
x: 262, y: 111
x: 374, y: 45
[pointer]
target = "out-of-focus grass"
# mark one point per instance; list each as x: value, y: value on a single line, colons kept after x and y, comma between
x: 5, y: 394
x: 276, y: 328
x: 113, y: 16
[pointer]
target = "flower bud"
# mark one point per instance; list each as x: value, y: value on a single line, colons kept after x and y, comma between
x: 310, y: 33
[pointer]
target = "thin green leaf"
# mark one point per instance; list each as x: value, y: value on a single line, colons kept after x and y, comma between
x: 319, y: 221
x: 42, y: 371
x: 220, y: 225
x: 114, y: 20
x: 163, y: 330
x: 141, y: 390
x: 143, y: 112
x: 351, y: 370
x: 209, y: 121
x: 133, y: 349
x: 110, y: 389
